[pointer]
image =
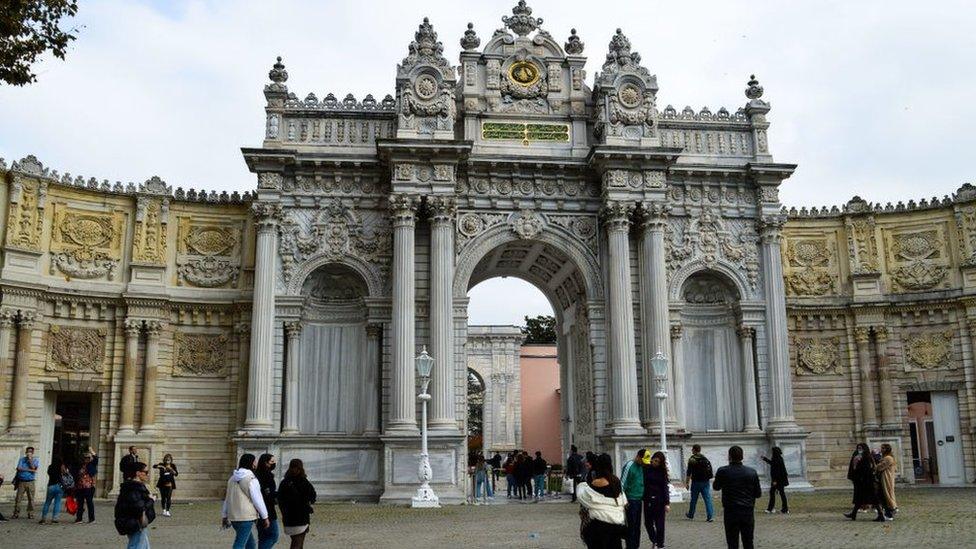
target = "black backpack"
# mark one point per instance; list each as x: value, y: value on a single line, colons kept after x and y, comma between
x: 703, y: 467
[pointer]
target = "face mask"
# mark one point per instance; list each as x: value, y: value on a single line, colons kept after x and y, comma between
x: 271, y: 466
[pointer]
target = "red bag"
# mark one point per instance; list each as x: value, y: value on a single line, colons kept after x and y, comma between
x: 70, y: 505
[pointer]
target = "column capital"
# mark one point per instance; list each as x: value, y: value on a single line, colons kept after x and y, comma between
x: 154, y: 328
x: 27, y: 319
x: 7, y: 317
x: 862, y: 334
x: 443, y: 209
x: 744, y: 331
x: 403, y: 209
x: 616, y: 214
x: 132, y: 327
x: 971, y: 323
x: 881, y: 333
x: 654, y: 215
x: 676, y: 331
x: 771, y: 226
x: 293, y: 329
x: 266, y: 214
x: 374, y: 330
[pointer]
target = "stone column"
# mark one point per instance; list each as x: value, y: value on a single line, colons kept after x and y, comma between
x: 6, y: 331
x: 751, y: 415
x: 862, y: 336
x: 403, y: 415
x: 18, y: 396
x: 678, y: 367
x: 148, y: 424
x: 442, y: 404
x: 293, y: 334
x: 623, y: 356
x: 654, y: 309
x: 260, y: 380
x: 243, y: 330
x: 127, y: 411
x: 371, y: 376
x: 780, y: 376
x: 889, y: 419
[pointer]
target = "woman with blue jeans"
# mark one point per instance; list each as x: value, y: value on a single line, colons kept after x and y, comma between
x: 244, y: 504
x: 55, y: 491
x: 268, y: 534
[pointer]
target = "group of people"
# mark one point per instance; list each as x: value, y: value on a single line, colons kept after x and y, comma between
x: 75, y: 480
x: 873, y: 476
x: 525, y: 476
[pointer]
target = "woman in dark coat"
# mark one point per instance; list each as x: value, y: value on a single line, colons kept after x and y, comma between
x: 657, y: 497
x: 861, y: 472
x: 296, y: 495
x: 779, y: 479
x: 268, y: 537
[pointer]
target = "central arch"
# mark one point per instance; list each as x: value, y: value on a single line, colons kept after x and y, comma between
x: 566, y: 273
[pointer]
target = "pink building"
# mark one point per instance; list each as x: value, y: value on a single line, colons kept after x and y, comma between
x: 539, y: 376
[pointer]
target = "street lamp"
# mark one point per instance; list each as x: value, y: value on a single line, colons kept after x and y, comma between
x: 425, y: 494
x: 659, y: 365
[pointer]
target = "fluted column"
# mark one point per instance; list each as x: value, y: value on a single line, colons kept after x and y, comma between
x: 127, y: 408
x: 7, y: 323
x: 260, y: 387
x: 623, y: 356
x: 751, y: 409
x: 678, y: 367
x: 655, y: 331
x: 889, y: 419
x: 403, y: 416
x: 371, y: 376
x: 442, y: 404
x: 18, y: 397
x: 293, y: 333
x: 243, y: 330
x: 780, y: 375
x: 862, y: 336
x: 151, y: 374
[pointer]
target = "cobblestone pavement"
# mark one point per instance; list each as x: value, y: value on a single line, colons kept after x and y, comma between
x: 931, y: 518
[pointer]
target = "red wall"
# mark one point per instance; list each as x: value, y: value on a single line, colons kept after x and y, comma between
x: 540, y: 401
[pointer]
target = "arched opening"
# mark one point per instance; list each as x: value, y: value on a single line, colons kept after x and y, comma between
x: 712, y: 362
x: 476, y: 411
x: 337, y: 363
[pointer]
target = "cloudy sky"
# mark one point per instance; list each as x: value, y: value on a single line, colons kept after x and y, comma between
x: 870, y: 97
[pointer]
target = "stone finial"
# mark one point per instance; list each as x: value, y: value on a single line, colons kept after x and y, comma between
x: 573, y: 46
x: 278, y: 74
x: 425, y: 41
x: 857, y: 205
x: 470, y: 39
x: 754, y: 91
x: 521, y: 22
x: 620, y: 48
x: 966, y: 192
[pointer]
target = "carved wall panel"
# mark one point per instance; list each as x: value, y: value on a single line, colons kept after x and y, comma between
x: 817, y: 356
x: 149, y: 242
x: 917, y: 259
x: 200, y: 355
x: 208, y: 255
x: 86, y: 244
x: 76, y: 349
x: 25, y: 219
x: 526, y: 186
x: 710, y: 238
x: 928, y: 351
x: 862, y: 246
x: 966, y: 227
x: 809, y: 265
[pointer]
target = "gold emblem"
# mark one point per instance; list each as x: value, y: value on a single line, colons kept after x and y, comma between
x: 523, y: 73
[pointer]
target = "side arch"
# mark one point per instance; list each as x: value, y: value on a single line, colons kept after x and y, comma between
x: 365, y: 270
x: 728, y: 271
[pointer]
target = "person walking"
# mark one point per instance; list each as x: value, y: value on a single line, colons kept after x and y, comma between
x: 539, y: 467
x: 699, y: 473
x: 632, y: 480
x: 268, y: 535
x: 166, y: 483
x: 574, y: 469
x: 24, y: 482
x: 296, y: 495
x: 861, y: 473
x: 84, y: 492
x: 59, y: 481
x: 134, y: 510
x: 657, y: 497
x: 779, y: 479
x: 886, y: 472
x: 244, y: 504
x: 602, y: 517
x: 740, y: 488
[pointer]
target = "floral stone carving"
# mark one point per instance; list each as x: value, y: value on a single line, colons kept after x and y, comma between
x: 916, y: 256
x: 817, y: 356
x: 930, y: 350
x: 76, y: 349
x: 85, y: 245
x: 527, y: 223
x: 200, y: 355
x: 808, y: 267
x: 207, y: 258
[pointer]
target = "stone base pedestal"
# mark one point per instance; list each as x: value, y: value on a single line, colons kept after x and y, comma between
x: 149, y: 448
x: 401, y: 465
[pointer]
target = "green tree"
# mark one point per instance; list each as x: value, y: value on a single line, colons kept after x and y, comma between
x: 28, y: 29
x: 540, y: 330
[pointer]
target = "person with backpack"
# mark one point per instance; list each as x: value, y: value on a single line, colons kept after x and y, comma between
x: 699, y: 473
x: 778, y: 481
x: 134, y: 510
x: 59, y: 481
x: 632, y: 481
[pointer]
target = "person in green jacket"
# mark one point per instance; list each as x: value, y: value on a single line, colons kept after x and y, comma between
x: 632, y: 479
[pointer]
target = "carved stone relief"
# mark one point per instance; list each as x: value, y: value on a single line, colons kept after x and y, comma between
x: 917, y: 259
x: 710, y: 238
x: 808, y: 266
x: 200, y: 355
x: 862, y: 246
x: 929, y: 350
x: 76, y: 349
x: 149, y: 242
x: 26, y: 213
x: 817, y: 356
x: 86, y: 245
x: 526, y: 186
x: 208, y: 255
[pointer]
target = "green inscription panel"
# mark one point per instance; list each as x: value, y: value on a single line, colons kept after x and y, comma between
x: 525, y: 132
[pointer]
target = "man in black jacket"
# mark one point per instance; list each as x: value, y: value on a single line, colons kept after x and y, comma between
x: 128, y: 460
x: 740, y: 488
x: 134, y: 507
x: 574, y: 468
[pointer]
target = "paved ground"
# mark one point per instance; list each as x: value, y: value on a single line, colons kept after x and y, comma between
x: 930, y: 518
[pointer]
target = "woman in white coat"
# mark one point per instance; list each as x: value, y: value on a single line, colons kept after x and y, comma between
x: 602, y: 507
x: 243, y: 504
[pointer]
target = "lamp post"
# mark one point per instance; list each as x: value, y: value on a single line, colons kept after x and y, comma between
x: 659, y: 364
x: 425, y: 494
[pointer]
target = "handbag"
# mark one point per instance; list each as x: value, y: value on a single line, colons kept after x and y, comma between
x: 568, y: 485
x: 70, y: 505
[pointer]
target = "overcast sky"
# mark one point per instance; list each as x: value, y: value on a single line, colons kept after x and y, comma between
x: 869, y: 97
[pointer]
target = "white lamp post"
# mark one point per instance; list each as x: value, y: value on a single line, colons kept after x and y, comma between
x: 659, y: 364
x: 425, y: 494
